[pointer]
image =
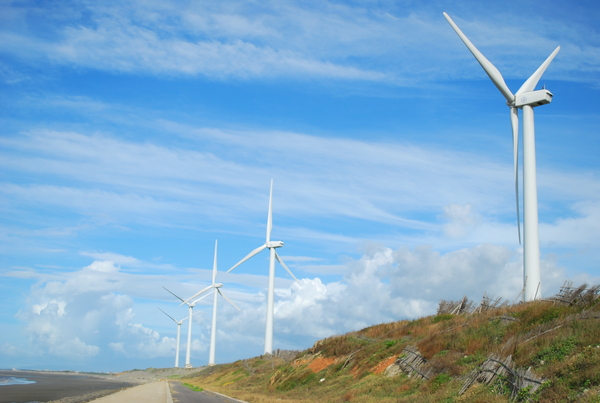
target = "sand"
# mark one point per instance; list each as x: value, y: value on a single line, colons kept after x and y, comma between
x: 51, y: 386
x: 71, y: 387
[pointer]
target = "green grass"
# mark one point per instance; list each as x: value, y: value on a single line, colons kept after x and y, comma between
x: 443, y: 317
x: 557, y: 351
x: 193, y: 387
x: 558, y: 346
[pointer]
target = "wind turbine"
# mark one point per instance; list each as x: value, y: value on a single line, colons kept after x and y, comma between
x: 191, y: 306
x: 271, y: 245
x: 526, y: 98
x: 179, y: 323
x: 217, y: 291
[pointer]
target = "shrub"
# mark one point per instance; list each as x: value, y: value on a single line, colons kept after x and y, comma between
x: 390, y: 343
x: 557, y: 351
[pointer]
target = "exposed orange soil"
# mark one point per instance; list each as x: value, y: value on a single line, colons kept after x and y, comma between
x: 379, y: 368
x: 320, y: 363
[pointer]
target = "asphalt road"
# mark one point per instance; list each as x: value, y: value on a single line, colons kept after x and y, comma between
x: 53, y: 386
x: 183, y: 394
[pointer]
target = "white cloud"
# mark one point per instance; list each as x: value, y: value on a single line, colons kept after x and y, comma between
x: 386, y: 285
x: 348, y: 178
x: 91, y: 311
x: 72, y: 348
x: 9, y: 349
x: 461, y: 220
x: 111, y: 257
x: 291, y: 39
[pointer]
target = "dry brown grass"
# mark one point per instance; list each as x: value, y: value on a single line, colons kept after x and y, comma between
x: 552, y: 339
x: 393, y: 330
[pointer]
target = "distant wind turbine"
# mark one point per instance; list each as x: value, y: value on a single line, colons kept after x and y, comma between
x: 526, y: 99
x: 271, y: 245
x: 179, y: 323
x: 217, y: 291
x: 191, y: 306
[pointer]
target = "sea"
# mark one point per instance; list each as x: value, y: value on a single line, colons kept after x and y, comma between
x: 12, y: 380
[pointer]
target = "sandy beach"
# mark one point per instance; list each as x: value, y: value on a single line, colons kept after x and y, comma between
x: 61, y: 387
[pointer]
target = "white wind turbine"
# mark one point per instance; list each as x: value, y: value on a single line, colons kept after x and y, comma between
x: 191, y: 306
x: 271, y: 245
x: 526, y: 98
x: 179, y: 323
x: 217, y: 291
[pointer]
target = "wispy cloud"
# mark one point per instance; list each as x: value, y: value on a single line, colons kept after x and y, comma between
x: 389, y: 183
x: 288, y: 39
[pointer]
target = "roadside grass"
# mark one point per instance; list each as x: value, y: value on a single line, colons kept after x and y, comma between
x: 557, y: 342
x: 193, y: 387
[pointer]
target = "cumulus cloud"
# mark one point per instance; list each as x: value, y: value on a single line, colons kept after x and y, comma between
x: 90, y: 313
x: 386, y: 285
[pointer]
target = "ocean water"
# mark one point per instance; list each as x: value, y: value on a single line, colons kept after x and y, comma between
x: 11, y: 380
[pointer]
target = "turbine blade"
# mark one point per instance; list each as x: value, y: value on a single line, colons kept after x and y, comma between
x: 532, y: 81
x: 270, y: 217
x: 202, y: 291
x: 254, y: 252
x: 285, y: 266
x: 514, y: 120
x: 489, y: 68
x: 188, y: 316
x: 228, y: 300
x: 176, y: 296
x: 214, y: 277
x: 204, y: 296
x: 174, y: 320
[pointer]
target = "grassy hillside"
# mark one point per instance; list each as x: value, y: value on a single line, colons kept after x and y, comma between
x: 433, y: 358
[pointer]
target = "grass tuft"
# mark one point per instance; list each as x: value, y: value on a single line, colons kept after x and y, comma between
x: 193, y: 387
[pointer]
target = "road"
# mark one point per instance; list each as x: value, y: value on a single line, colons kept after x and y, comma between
x: 183, y: 394
x: 154, y: 392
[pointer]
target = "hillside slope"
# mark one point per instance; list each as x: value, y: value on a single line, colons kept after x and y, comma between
x: 547, y: 351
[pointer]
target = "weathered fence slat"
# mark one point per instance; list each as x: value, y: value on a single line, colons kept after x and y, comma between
x: 495, y: 367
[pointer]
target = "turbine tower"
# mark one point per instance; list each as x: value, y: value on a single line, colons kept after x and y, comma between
x: 271, y: 245
x: 191, y: 306
x: 526, y: 98
x: 179, y: 323
x: 217, y: 291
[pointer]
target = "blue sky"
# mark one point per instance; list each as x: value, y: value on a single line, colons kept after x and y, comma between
x: 133, y: 134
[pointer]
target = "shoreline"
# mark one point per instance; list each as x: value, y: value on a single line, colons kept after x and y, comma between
x: 63, y: 387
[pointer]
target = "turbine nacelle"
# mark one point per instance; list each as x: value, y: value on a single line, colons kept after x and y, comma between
x: 533, y: 98
x: 274, y: 244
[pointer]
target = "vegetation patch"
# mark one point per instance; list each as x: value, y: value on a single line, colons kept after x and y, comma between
x: 442, y: 317
x: 557, y: 342
x: 439, y: 380
x: 557, y: 351
x: 193, y: 387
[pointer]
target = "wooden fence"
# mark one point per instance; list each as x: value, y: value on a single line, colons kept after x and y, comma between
x: 502, y: 370
x: 412, y: 363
